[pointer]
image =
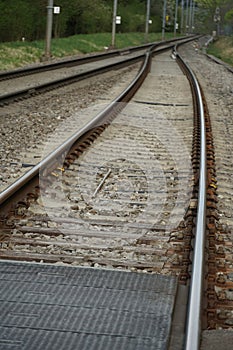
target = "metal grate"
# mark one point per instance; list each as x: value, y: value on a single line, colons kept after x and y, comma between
x: 60, y: 307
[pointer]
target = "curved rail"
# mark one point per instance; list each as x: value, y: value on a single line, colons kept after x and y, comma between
x: 193, y: 316
x: 80, y: 60
x: 195, y: 296
x: 28, y: 92
x: 69, y: 62
x: 19, y: 186
x: 102, y: 118
x: 33, y: 90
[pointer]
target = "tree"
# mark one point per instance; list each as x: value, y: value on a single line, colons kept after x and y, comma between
x: 229, y: 16
x: 22, y: 18
x: 209, y: 18
x: 77, y: 16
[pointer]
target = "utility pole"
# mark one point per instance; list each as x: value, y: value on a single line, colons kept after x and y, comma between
x: 49, y: 29
x: 186, y: 18
x: 217, y: 19
x: 193, y: 16
x: 190, y: 16
x: 176, y: 24
x: 164, y: 18
x: 147, y: 20
x: 182, y: 17
x: 114, y: 23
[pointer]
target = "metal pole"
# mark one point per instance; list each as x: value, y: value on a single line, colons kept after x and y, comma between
x: 193, y: 16
x: 190, y: 16
x: 147, y: 20
x: 114, y: 23
x: 186, y: 18
x: 164, y: 18
x: 182, y: 17
x: 176, y: 9
x: 49, y: 29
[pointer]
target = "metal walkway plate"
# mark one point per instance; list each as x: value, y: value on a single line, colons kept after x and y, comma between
x: 48, y: 307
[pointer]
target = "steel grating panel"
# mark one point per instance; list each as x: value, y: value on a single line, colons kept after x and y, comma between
x: 46, y: 307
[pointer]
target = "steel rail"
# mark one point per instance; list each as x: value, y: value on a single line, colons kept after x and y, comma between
x: 69, y: 62
x: 194, y: 313
x: 193, y: 321
x: 218, y: 61
x: 33, y: 90
x: 98, y: 120
x: 19, y: 184
x: 80, y: 60
x: 16, y: 187
x: 12, y: 96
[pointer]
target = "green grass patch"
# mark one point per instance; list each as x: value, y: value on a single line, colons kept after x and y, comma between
x: 19, y: 54
x: 223, y: 49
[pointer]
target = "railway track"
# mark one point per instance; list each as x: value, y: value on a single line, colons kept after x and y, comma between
x: 113, y: 196
x: 136, y: 206
x: 217, y: 314
x: 68, y: 72
x: 71, y: 62
x: 76, y: 61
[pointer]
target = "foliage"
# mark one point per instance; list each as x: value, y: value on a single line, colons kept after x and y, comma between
x: 76, y: 17
x: 223, y: 49
x: 27, y: 18
x: 206, y: 14
x: 229, y: 16
x: 22, y: 19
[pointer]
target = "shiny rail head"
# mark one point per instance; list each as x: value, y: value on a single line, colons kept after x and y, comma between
x: 193, y: 329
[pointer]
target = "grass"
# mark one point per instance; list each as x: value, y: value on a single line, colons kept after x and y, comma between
x: 223, y: 49
x: 19, y: 54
